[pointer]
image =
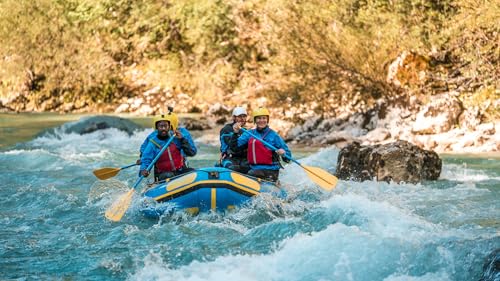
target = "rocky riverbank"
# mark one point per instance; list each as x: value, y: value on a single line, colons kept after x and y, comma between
x: 443, y: 121
x: 443, y: 125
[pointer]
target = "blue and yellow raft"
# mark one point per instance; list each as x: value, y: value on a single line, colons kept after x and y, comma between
x: 205, y: 189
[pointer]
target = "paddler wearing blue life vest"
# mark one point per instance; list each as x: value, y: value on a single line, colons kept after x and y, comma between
x: 264, y: 162
x: 172, y: 162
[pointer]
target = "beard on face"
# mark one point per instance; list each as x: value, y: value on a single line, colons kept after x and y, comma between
x: 162, y: 134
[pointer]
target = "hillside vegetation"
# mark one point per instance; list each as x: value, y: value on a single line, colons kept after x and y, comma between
x: 326, y: 56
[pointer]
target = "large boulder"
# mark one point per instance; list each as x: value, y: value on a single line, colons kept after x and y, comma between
x: 87, y: 125
x: 399, y: 161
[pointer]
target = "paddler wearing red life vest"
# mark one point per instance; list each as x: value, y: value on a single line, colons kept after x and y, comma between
x: 172, y: 162
x: 264, y: 162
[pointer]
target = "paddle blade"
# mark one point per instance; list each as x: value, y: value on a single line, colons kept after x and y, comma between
x: 321, y: 177
x: 118, y: 209
x: 106, y: 173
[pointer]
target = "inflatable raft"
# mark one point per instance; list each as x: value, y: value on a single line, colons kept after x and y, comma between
x: 205, y: 189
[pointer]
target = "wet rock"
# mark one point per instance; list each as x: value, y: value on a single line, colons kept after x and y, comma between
x: 399, y: 161
x: 491, y: 268
x: 195, y: 124
x: 91, y: 124
x: 352, y: 163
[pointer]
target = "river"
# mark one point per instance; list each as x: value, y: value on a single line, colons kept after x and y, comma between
x: 52, y: 225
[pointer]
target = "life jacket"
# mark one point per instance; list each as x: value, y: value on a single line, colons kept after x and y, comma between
x: 258, y: 153
x: 170, y: 160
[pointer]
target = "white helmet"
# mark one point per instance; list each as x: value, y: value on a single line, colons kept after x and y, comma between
x: 237, y: 111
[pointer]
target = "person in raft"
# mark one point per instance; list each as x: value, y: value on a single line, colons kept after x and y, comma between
x: 151, y: 135
x: 172, y: 162
x: 264, y: 162
x: 234, y: 160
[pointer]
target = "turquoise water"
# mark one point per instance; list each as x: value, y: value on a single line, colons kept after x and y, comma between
x: 52, y: 224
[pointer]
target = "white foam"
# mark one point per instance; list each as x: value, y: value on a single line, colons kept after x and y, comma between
x: 294, y: 175
x: 338, y: 252
x: 464, y: 174
x: 431, y: 276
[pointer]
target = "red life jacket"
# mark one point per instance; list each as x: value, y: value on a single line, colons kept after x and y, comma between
x: 258, y: 153
x: 171, y: 159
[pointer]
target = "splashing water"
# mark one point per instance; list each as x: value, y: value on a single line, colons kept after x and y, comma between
x: 53, y: 227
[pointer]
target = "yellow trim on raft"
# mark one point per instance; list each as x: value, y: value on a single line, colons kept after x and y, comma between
x: 254, y: 192
x: 213, y: 202
x: 187, y: 179
x: 245, y: 181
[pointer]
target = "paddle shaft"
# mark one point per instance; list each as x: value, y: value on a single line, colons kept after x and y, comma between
x: 274, y: 148
x: 154, y: 160
x: 106, y: 173
x: 131, y: 165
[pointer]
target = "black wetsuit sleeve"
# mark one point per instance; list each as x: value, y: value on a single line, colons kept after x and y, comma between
x: 186, y: 147
x: 233, y: 145
x: 226, y: 132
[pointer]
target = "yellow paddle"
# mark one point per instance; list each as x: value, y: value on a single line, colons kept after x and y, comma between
x: 319, y: 176
x: 106, y: 173
x: 118, y: 209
